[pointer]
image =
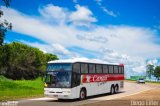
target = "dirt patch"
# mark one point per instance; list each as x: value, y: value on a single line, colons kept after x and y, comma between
x: 110, y: 103
x: 147, y: 98
x: 153, y: 94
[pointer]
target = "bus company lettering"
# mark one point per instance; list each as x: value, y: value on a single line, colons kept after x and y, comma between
x: 97, y: 78
x: 94, y: 78
x: 101, y: 78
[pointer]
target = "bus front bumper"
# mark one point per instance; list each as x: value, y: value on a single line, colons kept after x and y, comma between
x: 61, y: 93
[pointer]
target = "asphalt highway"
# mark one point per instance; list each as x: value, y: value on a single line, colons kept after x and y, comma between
x: 129, y: 89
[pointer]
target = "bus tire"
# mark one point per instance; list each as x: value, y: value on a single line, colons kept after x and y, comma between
x: 116, y: 89
x: 112, y: 90
x: 82, y: 94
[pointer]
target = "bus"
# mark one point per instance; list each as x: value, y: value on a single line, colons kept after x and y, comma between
x: 71, y: 79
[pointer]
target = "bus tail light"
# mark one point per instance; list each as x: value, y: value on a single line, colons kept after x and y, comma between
x: 121, y: 84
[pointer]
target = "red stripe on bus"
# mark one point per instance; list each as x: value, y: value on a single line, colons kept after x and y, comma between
x: 101, y: 77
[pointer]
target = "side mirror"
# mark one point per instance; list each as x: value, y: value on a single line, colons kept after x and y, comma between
x: 43, y: 78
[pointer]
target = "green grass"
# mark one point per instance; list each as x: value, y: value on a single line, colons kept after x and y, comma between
x: 151, y: 82
x: 16, y: 89
x: 130, y: 79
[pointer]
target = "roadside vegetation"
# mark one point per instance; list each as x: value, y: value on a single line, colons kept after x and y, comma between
x: 153, y: 82
x: 18, y: 89
x: 20, y: 61
x: 21, y: 66
x: 17, y: 60
x: 149, y: 82
x: 153, y: 71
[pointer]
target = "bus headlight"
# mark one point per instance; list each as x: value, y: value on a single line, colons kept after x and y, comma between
x: 45, y: 85
x: 66, y: 91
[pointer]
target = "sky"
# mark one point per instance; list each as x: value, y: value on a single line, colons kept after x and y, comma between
x: 116, y: 31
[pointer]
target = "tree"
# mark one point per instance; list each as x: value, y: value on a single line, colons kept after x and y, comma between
x: 21, y: 61
x: 157, y: 72
x: 4, y: 24
x: 7, y: 2
x: 17, y: 60
x: 51, y: 57
x: 150, y: 69
x: 4, y: 57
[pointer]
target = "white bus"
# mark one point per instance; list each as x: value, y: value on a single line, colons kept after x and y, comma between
x: 70, y: 79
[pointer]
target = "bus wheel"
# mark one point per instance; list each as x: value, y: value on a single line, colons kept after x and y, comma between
x: 112, y: 90
x: 82, y: 94
x: 116, y: 89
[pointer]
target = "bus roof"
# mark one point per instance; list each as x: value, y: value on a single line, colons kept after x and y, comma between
x: 83, y: 60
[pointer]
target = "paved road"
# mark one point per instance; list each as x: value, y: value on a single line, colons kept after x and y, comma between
x: 129, y: 89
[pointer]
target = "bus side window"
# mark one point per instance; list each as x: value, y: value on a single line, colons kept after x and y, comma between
x: 92, y: 69
x: 120, y: 71
x: 105, y: 69
x: 116, y: 69
x: 76, y: 67
x: 110, y: 69
x: 84, y: 68
x: 75, y: 79
x: 98, y: 68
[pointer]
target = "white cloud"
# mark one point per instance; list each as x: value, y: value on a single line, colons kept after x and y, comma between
x: 133, y: 65
x: 140, y: 69
x: 75, y: 1
x: 126, y: 44
x: 135, y: 41
x: 107, y: 11
x: 157, y: 27
x: 99, y: 2
x: 153, y: 62
x: 83, y: 16
x: 57, y: 49
x: 93, y: 38
x: 54, y: 13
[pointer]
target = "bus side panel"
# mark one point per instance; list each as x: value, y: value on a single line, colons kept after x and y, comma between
x: 96, y: 88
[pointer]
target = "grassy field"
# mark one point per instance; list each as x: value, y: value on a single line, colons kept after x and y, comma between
x: 12, y: 90
x: 150, y: 82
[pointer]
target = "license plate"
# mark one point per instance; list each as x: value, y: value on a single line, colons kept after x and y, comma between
x: 55, y: 95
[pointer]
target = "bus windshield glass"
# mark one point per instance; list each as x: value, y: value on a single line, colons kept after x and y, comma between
x: 59, y: 67
x: 61, y: 79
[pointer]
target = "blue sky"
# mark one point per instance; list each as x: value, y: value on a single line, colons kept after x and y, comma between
x: 130, y: 12
x: 125, y: 31
x: 155, y: 62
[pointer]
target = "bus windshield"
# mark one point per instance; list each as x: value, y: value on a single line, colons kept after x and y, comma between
x: 59, y: 67
x: 61, y: 79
